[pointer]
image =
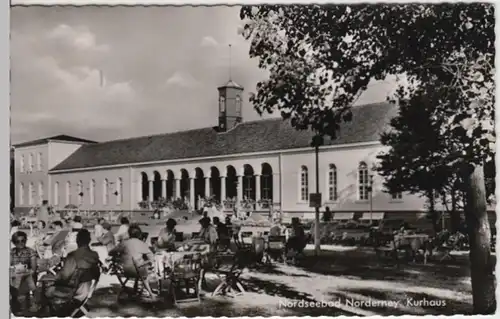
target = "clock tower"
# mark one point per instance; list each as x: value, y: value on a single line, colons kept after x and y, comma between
x: 230, y: 100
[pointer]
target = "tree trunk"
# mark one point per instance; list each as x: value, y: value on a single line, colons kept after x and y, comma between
x: 454, y: 213
x: 432, y: 212
x: 481, y: 265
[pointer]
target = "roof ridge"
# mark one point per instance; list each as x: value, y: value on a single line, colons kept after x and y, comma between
x: 183, y: 131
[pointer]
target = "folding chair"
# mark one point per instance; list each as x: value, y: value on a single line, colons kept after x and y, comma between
x: 186, y: 274
x: 116, y: 269
x: 229, y: 272
x: 275, y: 249
x: 179, y: 236
x: 82, y: 307
x: 144, y: 237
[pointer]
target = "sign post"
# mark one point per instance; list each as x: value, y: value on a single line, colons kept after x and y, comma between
x: 315, y: 200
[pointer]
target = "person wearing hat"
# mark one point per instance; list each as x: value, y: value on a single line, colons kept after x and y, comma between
x: 107, y: 238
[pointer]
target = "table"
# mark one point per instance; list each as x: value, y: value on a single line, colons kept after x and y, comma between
x: 171, y: 259
x: 414, y: 241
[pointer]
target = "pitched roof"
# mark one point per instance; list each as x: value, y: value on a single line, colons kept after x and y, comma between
x: 258, y: 136
x: 231, y: 84
x: 65, y: 138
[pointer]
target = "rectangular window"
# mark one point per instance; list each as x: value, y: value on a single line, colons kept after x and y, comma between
x: 397, y: 196
x: 304, y: 185
x: 21, y: 164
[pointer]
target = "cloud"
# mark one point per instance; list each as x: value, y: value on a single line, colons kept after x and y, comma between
x: 209, y: 42
x: 182, y: 79
x: 79, y: 37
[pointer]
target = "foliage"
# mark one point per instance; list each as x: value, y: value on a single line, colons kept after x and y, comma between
x: 321, y: 58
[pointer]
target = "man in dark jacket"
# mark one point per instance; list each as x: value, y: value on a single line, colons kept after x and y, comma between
x: 73, y: 282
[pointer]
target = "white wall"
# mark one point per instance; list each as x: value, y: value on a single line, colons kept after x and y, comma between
x: 346, y: 161
x: 35, y: 174
x: 98, y: 176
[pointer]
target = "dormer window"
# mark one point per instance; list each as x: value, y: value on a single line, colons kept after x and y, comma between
x: 222, y: 104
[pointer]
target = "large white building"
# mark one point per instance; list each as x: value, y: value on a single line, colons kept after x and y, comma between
x: 265, y: 159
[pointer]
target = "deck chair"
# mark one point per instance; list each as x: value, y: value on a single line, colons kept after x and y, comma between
x: 275, y: 249
x: 229, y: 268
x: 83, y: 305
x: 116, y: 269
x: 179, y: 236
x: 186, y: 275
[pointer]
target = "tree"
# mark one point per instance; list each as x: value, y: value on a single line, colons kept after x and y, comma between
x: 321, y: 58
x: 420, y: 159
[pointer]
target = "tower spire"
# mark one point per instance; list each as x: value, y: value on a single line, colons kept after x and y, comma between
x: 230, y: 66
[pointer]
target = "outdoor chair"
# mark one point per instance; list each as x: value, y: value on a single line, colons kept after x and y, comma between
x: 186, y: 276
x: 228, y: 269
x: 82, y: 308
x: 275, y: 249
x: 144, y: 236
x: 179, y: 236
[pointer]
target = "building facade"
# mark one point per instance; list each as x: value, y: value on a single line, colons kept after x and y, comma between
x: 260, y: 162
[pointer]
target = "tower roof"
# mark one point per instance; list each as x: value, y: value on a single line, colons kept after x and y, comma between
x: 231, y: 84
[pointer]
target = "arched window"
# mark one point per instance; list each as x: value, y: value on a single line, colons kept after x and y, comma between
x: 30, y: 193
x: 80, y: 192
x: 68, y: 193
x: 105, y: 192
x: 222, y: 104
x: 40, y: 192
x: 21, y: 194
x: 332, y: 183
x: 92, y: 192
x: 56, y: 193
x: 119, y: 189
x: 363, y: 181
x: 39, y: 164
x: 30, y: 163
x: 304, y: 184
x: 21, y: 164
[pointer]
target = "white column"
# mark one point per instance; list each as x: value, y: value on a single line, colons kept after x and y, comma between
x: 222, y: 188
x: 276, y: 188
x: 207, y: 187
x: 164, y: 188
x: 239, y: 188
x: 139, y: 189
x: 191, y: 192
x: 177, y: 189
x: 257, y: 188
x: 150, y: 191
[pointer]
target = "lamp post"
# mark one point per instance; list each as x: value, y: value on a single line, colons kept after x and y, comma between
x: 317, y: 142
x: 370, y: 189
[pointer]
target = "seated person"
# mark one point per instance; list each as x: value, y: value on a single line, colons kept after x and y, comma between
x: 122, y: 233
x: 275, y: 230
x: 297, y: 240
x: 166, y: 238
x: 135, y: 256
x: 222, y: 233
x: 98, y: 229
x: 51, y: 249
x: 73, y: 282
x: 23, y: 261
x: 77, y: 223
x: 208, y: 233
x: 107, y: 238
x: 14, y: 227
x: 75, y: 226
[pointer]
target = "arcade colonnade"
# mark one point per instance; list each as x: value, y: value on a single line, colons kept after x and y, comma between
x: 236, y: 184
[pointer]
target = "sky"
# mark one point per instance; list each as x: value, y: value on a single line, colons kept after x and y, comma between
x: 104, y: 73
